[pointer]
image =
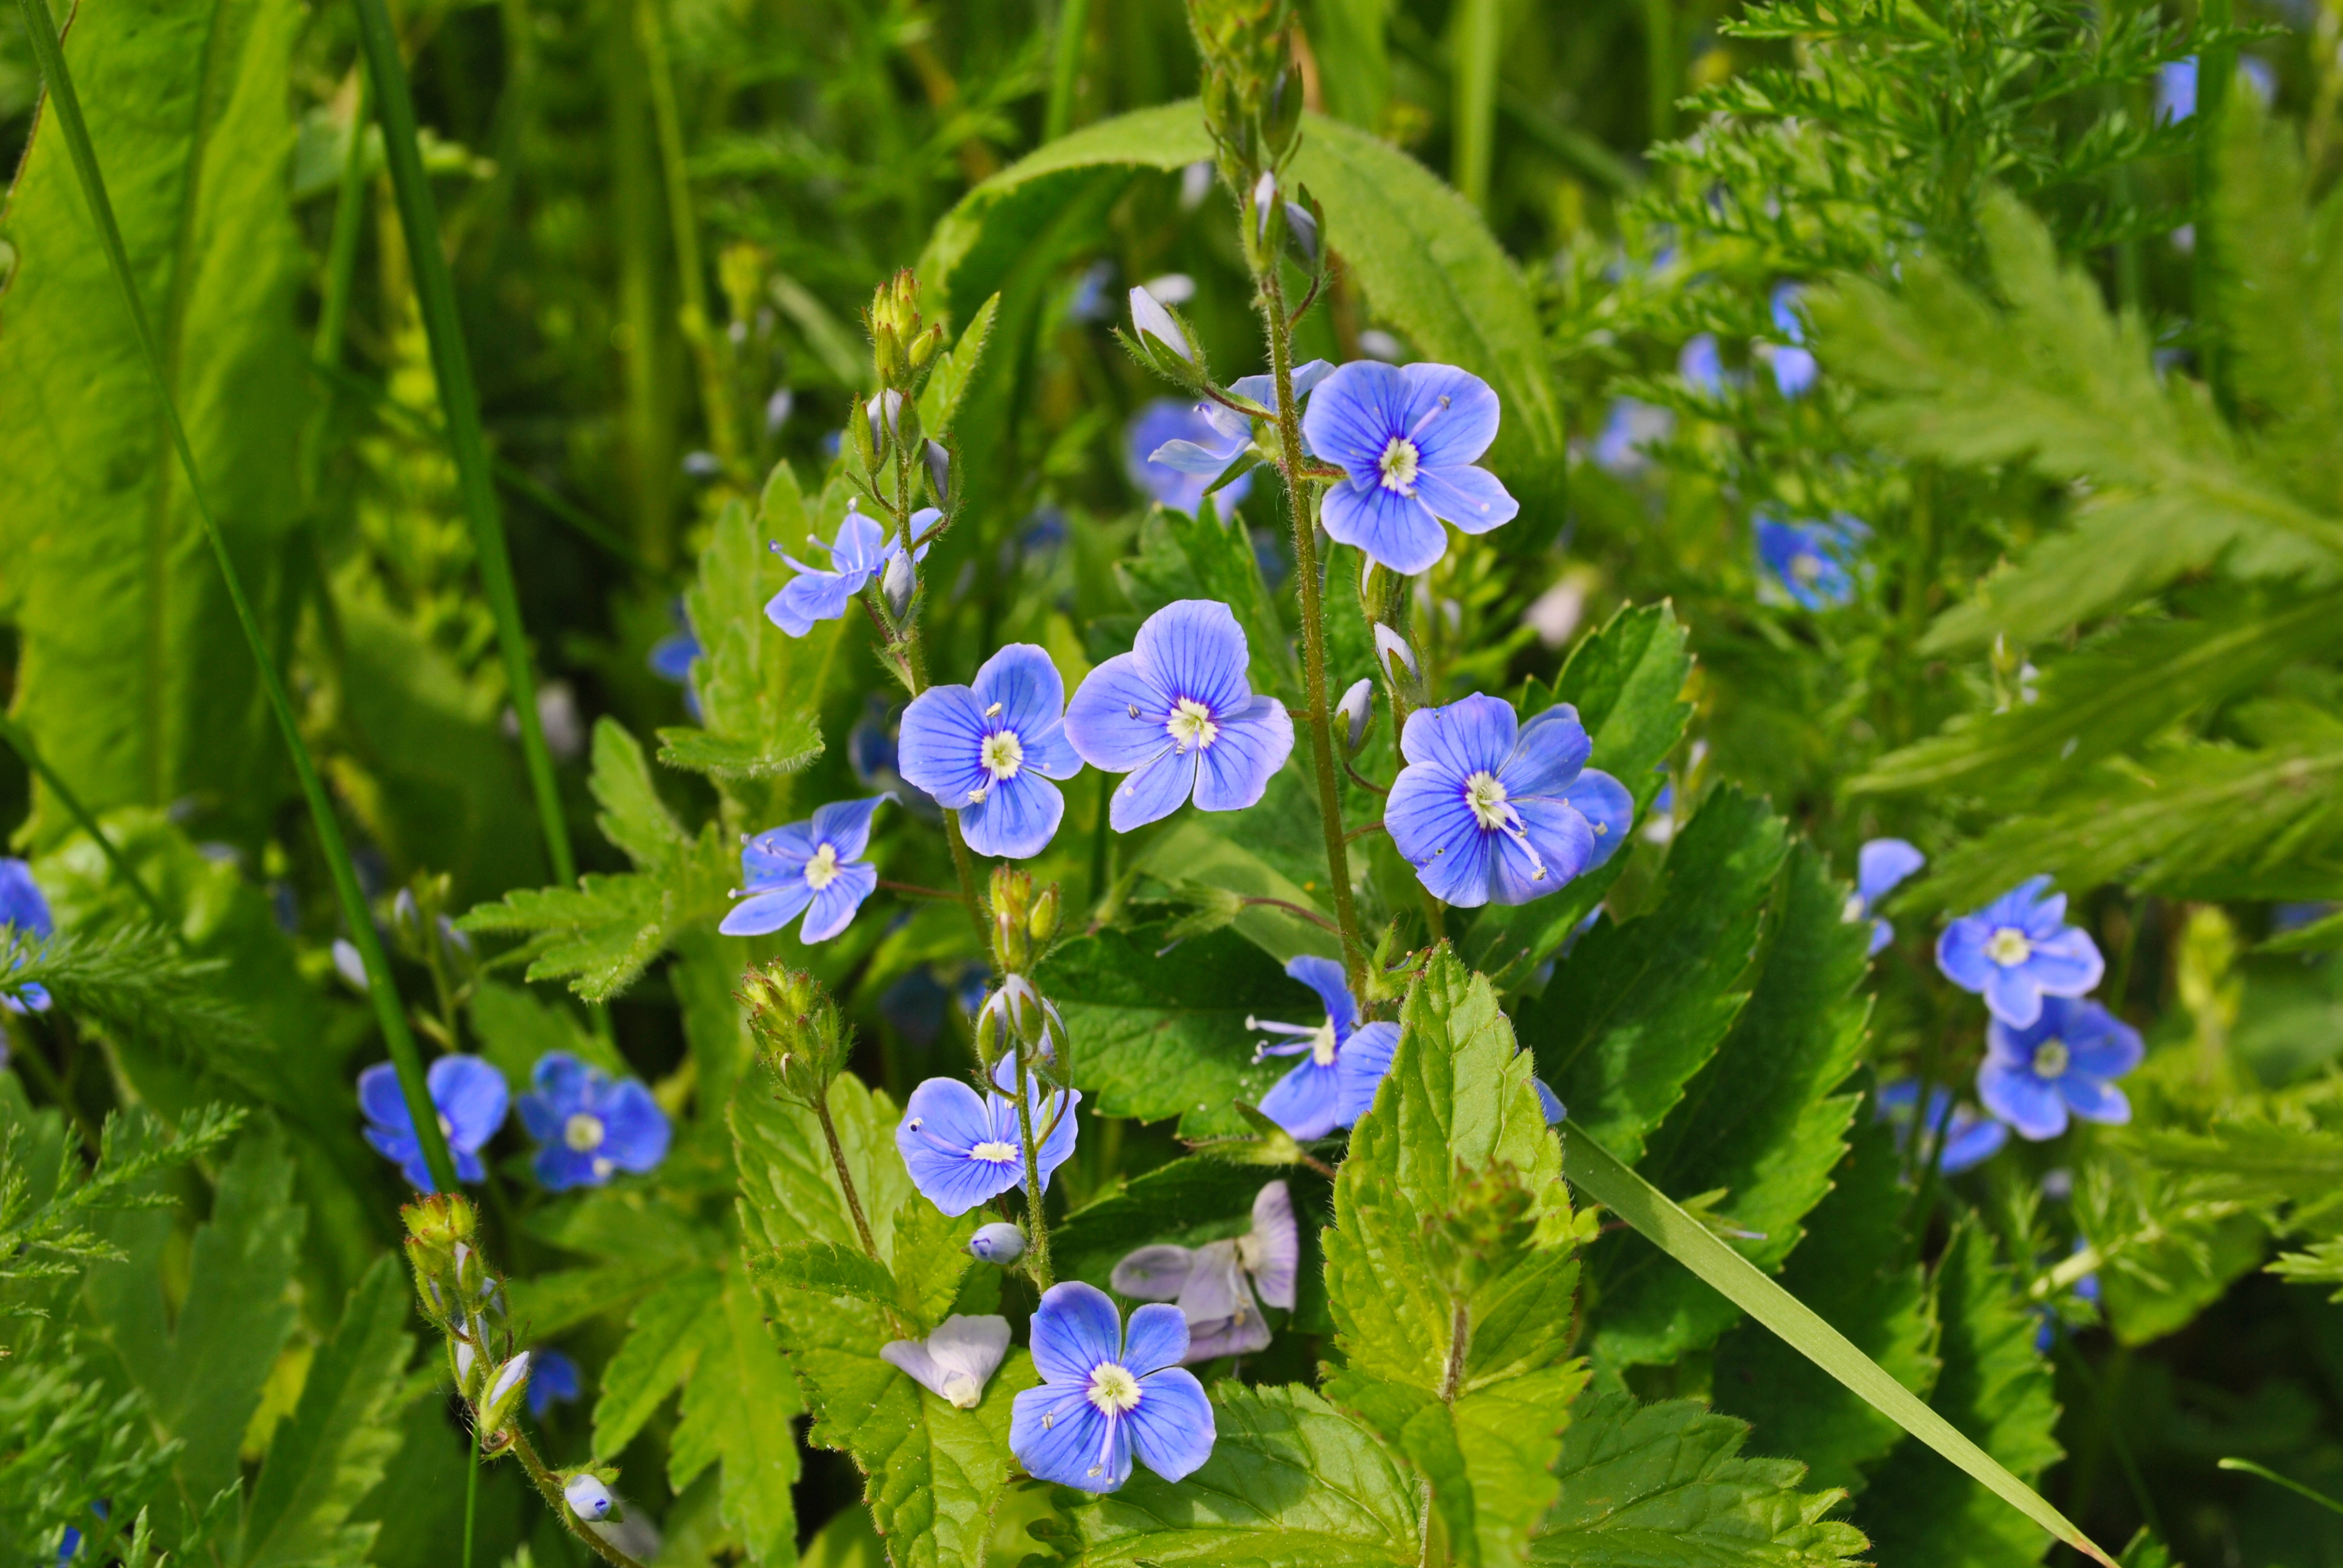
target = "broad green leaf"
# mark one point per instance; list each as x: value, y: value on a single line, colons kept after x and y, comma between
x: 1640, y: 1008
x: 1994, y: 1388
x: 1761, y: 1122
x: 1604, y: 1179
x: 1664, y: 1486
x: 735, y: 1411
x: 1292, y: 1484
x: 827, y: 1269
x: 759, y: 689
x: 931, y: 1255
x: 670, y: 1330
x: 1450, y: 1272
x: 632, y: 816
x: 1852, y: 1269
x: 202, y: 1373
x: 132, y: 673
x: 334, y: 1450
x: 1163, y: 1034
x: 1626, y: 680
x: 552, y: 1302
x: 933, y: 1474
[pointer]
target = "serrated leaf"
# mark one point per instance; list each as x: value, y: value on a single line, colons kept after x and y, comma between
x: 1449, y: 1271
x: 735, y: 1411
x: 665, y: 1339
x: 931, y: 1255
x: 1852, y: 1269
x: 131, y: 672
x: 1664, y: 1486
x: 1292, y: 1484
x: 1763, y: 1121
x: 1640, y: 1008
x: 1626, y: 680
x: 759, y: 690
x: 1993, y: 1388
x: 948, y: 382
x: 1159, y: 1034
x: 335, y: 1448
x: 550, y: 1303
x: 827, y: 1269
x: 632, y: 816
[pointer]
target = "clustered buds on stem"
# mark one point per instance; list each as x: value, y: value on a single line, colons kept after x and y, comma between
x: 901, y: 348
x: 801, y: 1037
x: 1252, y: 93
x: 461, y: 1297
x: 1024, y: 923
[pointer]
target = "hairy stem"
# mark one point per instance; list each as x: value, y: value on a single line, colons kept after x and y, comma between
x: 471, y: 1494
x: 1036, y: 1223
x: 1460, y: 1339
x: 845, y: 1177
x: 551, y: 1489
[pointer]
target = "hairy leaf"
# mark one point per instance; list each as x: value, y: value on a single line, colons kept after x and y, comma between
x: 665, y: 1339
x: 736, y: 1410
x: 759, y: 690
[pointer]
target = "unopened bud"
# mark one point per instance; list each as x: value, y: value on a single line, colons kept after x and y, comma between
x: 862, y: 435
x: 587, y: 1498
x: 503, y: 1393
x: 1012, y: 905
x: 939, y: 463
x: 802, y: 1038
x: 1357, y: 713
x: 1284, y: 117
x: 898, y: 585
x: 1394, y: 655
x: 923, y: 347
x: 1043, y: 922
x: 442, y: 1220
x: 1151, y: 319
x: 1304, y: 229
x: 999, y: 1243
x: 885, y: 414
x: 886, y: 352
x: 1264, y: 204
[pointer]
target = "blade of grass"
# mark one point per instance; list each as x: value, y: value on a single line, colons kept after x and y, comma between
x: 2250, y: 1468
x: 1066, y: 67
x: 49, y: 54
x: 2215, y: 68
x: 451, y: 366
x: 21, y: 741
x: 1610, y: 1183
x: 1479, y: 37
x: 666, y: 121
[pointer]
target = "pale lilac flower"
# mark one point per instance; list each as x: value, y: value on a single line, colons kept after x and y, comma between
x: 1213, y: 1285
x: 1000, y: 1244
x: 954, y: 1363
x: 862, y: 549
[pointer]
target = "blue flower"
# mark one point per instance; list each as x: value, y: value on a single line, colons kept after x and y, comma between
x: 963, y: 1148
x: 1177, y: 714
x: 1967, y: 1139
x: 1811, y: 560
x: 1407, y: 438
x: 1489, y: 810
x: 1165, y: 423
x: 862, y: 549
x: 989, y: 751
x: 1103, y: 1396
x: 2017, y: 949
x: 809, y: 866
x: 470, y: 1097
x: 26, y: 913
x: 2065, y: 1062
x: 1205, y: 456
x: 1879, y: 866
x: 587, y: 1497
x: 1341, y: 1059
x: 1699, y: 364
x: 591, y: 1128
x: 2175, y: 89
x: 1627, y: 427
x: 1794, y: 365
x: 553, y: 1380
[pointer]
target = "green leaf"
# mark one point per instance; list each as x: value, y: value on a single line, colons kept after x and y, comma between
x: 1761, y: 1122
x: 737, y: 1410
x: 1852, y: 1271
x: 1163, y: 1034
x: 931, y: 1255
x: 759, y: 689
x: 1626, y: 680
x: 325, y: 1459
x: 1450, y: 1272
x: 665, y: 1339
x: 132, y: 671
x: 1220, y: 552
x: 1189, y: 1201
x: 1664, y: 1486
x: 202, y: 1373
x: 552, y: 1302
x: 515, y: 1029
x: 1993, y: 1388
x: 1641, y: 1007
x: 632, y: 816
x: 827, y: 1269
x: 948, y: 382
x: 1292, y: 1482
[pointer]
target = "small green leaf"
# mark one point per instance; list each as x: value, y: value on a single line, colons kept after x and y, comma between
x: 827, y: 1269
x: 736, y: 1410
x: 632, y: 817
x: 930, y: 1256
x: 939, y: 398
x: 759, y: 690
x: 664, y: 1341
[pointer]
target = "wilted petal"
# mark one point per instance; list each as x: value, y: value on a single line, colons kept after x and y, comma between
x: 1273, y: 1249
x: 1154, y: 1273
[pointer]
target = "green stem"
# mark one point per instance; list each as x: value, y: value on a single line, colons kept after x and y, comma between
x: 1066, y: 67
x: 471, y: 1494
x: 845, y: 1177
x: 19, y: 737
x: 666, y: 121
x: 388, y: 1014
x: 451, y: 366
x: 341, y: 271
x: 1036, y: 1223
x: 551, y: 1489
x: 1660, y: 48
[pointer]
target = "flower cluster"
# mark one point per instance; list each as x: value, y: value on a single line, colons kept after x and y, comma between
x: 588, y: 1127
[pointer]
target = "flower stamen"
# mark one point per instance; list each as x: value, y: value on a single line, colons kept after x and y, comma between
x: 1398, y: 466
x: 2008, y: 947
x: 1190, y: 724
x: 823, y: 869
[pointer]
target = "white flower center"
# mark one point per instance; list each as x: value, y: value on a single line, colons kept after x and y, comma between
x: 1855, y: 908
x: 1487, y: 798
x: 1322, y: 1044
x: 1002, y: 754
x: 1398, y: 464
x: 1190, y: 724
x: 961, y: 1389
x: 583, y: 1132
x: 1113, y: 1389
x: 446, y: 1128
x: 998, y: 1153
x: 823, y: 869
x: 2050, y: 1058
x: 1808, y: 569
x: 2008, y: 947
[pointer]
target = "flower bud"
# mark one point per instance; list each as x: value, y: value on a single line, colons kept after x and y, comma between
x: 440, y: 1227
x: 862, y: 435
x: 1381, y: 591
x: 999, y: 1243
x: 1152, y: 323
x: 802, y: 1038
x: 1264, y: 205
x: 1043, y: 922
x: 504, y: 1394
x: 442, y: 1220
x: 1012, y: 901
x: 898, y: 585
x: 1304, y: 225
x: 587, y: 1497
x: 1397, y: 658
x: 1357, y: 713
x: 940, y: 473
x: 1284, y: 119
x: 923, y: 347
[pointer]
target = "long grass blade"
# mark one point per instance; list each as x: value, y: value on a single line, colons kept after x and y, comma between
x: 451, y: 366
x: 1066, y: 67
x: 21, y: 741
x: 1612, y: 1184
x: 49, y: 54
x: 1479, y: 39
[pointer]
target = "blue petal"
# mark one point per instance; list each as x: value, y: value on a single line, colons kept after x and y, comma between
x: 1016, y: 819
x: 560, y: 1167
x: 1304, y: 1102
x: 861, y: 547
x: 1062, y: 1108
x: 1057, y: 1434
x: 2101, y: 1045
x: 1475, y: 734
x: 1550, y: 1104
x: 1474, y: 500
x: 382, y: 1098
x: 1325, y: 977
x: 564, y: 1083
x: 1157, y: 1338
x: 1357, y: 410
x: 832, y: 908
x: 1360, y: 1068
x: 951, y: 1119
x: 1960, y: 953
x: 1172, y: 1427
x: 1101, y: 726
x: 635, y: 1131
x: 777, y: 856
x: 552, y: 1378
x: 1252, y: 744
x: 2066, y: 964
x: 767, y: 912
x: 2013, y: 995
x: 1193, y: 647
x: 1548, y: 753
x: 1431, y: 824
x: 845, y: 825
x: 1971, y: 1143
x: 1794, y: 371
x: 1452, y: 415
x: 1020, y: 678
x: 472, y: 1096
x: 812, y: 597
x: 2095, y: 1101
x: 1155, y: 792
x: 1074, y: 1328
x: 2028, y: 1103
x: 1188, y: 457
x: 1609, y: 810
x: 1883, y: 863
x: 1563, y: 840
x: 22, y: 903
x: 942, y: 744
x: 1881, y: 933
x: 1395, y: 531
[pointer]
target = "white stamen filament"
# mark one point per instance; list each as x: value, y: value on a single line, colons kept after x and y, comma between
x: 1190, y: 724
x: 1398, y: 465
x: 823, y: 869
x: 1497, y: 814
